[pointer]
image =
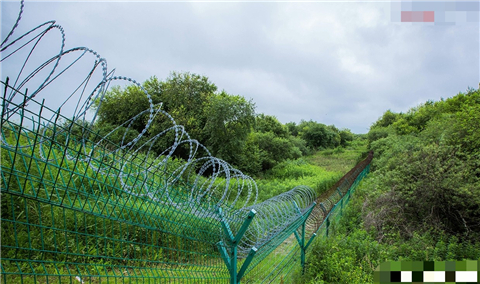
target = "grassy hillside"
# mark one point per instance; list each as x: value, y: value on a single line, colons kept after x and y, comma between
x: 319, y: 171
x: 75, y: 218
x: 420, y: 202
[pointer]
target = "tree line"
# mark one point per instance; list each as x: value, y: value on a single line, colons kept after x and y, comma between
x: 226, y: 124
x: 421, y: 201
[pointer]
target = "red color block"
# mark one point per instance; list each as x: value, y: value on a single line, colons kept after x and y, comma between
x: 428, y: 16
x: 417, y: 16
x: 406, y: 16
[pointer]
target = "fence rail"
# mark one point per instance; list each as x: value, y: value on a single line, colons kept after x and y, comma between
x: 78, y: 208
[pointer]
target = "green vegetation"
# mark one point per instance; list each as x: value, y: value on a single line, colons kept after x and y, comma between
x: 341, y: 159
x: 58, y: 224
x: 319, y: 171
x: 63, y: 211
x: 73, y: 206
x: 226, y: 124
x: 422, y: 200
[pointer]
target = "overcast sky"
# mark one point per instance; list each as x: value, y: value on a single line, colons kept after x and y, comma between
x: 341, y: 63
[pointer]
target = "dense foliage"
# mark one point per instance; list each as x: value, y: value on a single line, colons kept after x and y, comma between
x: 118, y: 238
x: 226, y: 124
x: 280, y: 154
x: 422, y: 200
x: 429, y: 165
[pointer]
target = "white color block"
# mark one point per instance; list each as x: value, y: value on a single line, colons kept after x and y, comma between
x: 433, y: 276
x: 406, y: 276
x: 428, y: 276
x: 466, y: 276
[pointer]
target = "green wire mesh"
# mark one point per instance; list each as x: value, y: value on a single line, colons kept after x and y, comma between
x: 284, y: 262
x: 62, y: 222
x: 77, y: 208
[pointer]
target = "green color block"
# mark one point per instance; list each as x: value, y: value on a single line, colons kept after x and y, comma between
x: 439, y: 266
x: 428, y: 266
x: 384, y: 276
x: 450, y: 265
x: 461, y: 266
x: 417, y: 265
x: 417, y: 276
x: 406, y: 266
x: 396, y: 266
x: 385, y: 266
x: 471, y: 265
x: 376, y: 277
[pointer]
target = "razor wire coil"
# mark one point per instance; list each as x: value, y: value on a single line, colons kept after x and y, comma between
x: 136, y: 209
x: 273, y: 215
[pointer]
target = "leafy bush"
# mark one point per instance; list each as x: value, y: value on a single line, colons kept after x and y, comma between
x: 420, y: 202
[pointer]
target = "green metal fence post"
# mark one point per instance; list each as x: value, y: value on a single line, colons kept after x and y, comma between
x: 341, y: 206
x: 230, y: 259
x: 328, y: 225
x: 301, y: 240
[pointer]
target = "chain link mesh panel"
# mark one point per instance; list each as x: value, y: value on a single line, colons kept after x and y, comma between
x: 78, y: 208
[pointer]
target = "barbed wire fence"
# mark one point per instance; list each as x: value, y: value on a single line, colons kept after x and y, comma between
x: 79, y: 208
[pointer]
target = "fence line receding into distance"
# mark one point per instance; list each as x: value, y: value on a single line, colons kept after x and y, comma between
x: 76, y: 207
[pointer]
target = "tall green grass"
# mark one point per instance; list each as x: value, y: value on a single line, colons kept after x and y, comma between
x: 340, y: 159
x: 290, y: 174
x: 77, y: 216
x: 319, y: 171
x: 61, y: 218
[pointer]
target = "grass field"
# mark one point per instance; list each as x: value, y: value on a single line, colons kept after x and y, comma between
x: 319, y: 171
x: 340, y: 159
x: 40, y: 236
